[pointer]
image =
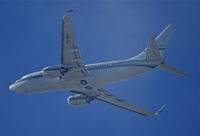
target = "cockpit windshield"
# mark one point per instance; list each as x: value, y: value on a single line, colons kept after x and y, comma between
x: 31, y: 75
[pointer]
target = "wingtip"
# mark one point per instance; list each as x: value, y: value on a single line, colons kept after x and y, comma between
x: 71, y: 9
x: 69, y: 13
x: 160, y: 110
x: 172, y: 25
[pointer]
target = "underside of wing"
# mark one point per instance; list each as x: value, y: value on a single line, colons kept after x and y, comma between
x: 70, y: 53
x: 105, y: 96
x: 111, y: 99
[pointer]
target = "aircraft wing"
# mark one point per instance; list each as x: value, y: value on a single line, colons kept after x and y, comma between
x: 70, y: 54
x: 105, y: 96
x: 111, y: 99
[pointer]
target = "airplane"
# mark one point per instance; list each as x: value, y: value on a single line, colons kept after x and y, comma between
x: 86, y: 81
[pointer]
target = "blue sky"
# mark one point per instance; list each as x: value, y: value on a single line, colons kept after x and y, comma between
x: 105, y: 30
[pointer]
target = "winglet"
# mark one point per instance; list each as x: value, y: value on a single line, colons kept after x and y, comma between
x: 160, y: 110
x: 69, y: 12
x: 71, y: 9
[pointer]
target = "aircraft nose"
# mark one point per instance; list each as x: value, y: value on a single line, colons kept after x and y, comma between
x: 17, y: 87
x: 11, y: 87
x: 14, y: 87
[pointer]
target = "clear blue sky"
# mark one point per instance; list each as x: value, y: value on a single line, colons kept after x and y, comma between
x: 106, y: 30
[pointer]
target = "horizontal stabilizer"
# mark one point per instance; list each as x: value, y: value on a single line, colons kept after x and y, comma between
x: 170, y: 68
x: 152, y: 53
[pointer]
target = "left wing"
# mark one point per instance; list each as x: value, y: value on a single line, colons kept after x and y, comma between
x: 105, y: 96
x: 70, y: 54
x: 111, y: 99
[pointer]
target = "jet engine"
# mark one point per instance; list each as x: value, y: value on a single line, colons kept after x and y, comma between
x: 54, y: 71
x: 79, y: 100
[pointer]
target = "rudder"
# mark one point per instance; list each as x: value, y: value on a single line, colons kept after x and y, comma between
x: 163, y: 38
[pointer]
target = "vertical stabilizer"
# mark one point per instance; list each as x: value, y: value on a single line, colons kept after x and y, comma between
x: 161, y: 41
x: 163, y: 38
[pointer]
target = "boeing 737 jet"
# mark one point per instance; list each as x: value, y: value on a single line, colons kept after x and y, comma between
x: 86, y: 81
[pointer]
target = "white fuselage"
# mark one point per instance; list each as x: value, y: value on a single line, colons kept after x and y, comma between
x: 100, y: 74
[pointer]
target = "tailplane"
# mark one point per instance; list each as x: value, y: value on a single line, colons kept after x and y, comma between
x: 153, y: 54
x: 156, y: 48
x: 170, y: 68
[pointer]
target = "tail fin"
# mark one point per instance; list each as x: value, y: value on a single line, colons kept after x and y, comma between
x: 169, y: 68
x: 153, y: 54
x: 161, y: 41
x: 163, y: 38
x: 156, y: 49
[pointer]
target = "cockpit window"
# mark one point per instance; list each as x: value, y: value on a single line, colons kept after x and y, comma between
x: 35, y: 74
x: 32, y: 75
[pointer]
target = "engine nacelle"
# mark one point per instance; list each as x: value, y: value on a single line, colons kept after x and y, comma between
x: 54, y: 71
x: 79, y: 100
